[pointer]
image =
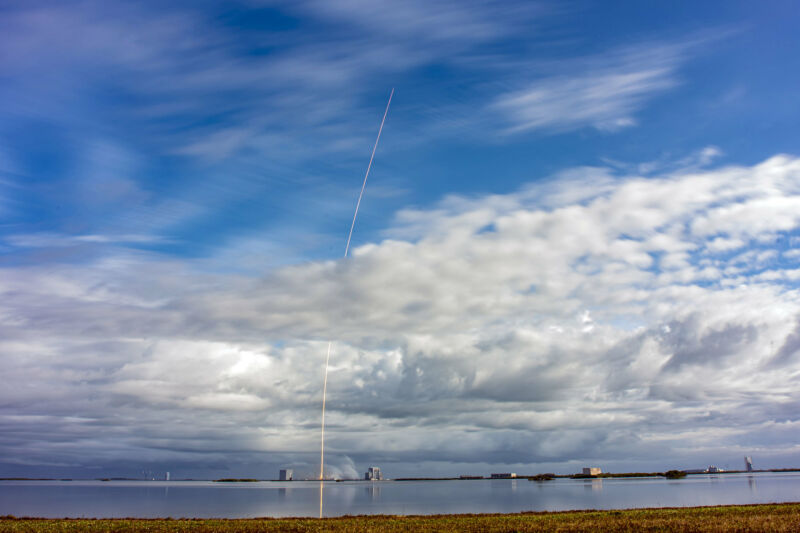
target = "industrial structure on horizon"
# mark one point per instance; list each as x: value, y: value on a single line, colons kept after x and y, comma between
x: 505, y: 475
x: 373, y: 474
x: 592, y: 471
x: 748, y: 463
x: 285, y: 474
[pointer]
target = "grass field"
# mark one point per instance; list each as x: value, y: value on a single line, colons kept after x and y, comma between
x: 771, y: 517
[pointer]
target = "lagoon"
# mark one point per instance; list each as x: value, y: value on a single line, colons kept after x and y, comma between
x: 206, y: 499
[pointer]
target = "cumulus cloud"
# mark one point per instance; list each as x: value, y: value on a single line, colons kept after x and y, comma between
x: 630, y: 322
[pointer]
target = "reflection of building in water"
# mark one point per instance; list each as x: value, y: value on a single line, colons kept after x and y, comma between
x: 505, y: 475
x: 751, y: 483
x: 593, y: 485
x: 592, y: 471
x: 373, y: 474
x: 748, y: 463
x: 373, y: 491
x: 286, y: 474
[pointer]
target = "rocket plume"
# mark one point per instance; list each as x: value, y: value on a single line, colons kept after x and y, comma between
x: 330, y: 343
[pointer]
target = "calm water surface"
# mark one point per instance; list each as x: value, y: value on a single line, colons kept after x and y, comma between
x: 200, y: 499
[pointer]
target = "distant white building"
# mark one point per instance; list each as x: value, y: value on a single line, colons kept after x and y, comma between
x: 286, y: 474
x: 166, y: 478
x: 504, y: 475
x: 592, y: 471
x: 748, y: 463
x: 714, y: 470
x: 373, y: 474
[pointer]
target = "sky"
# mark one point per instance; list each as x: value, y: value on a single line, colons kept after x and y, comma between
x: 579, y: 245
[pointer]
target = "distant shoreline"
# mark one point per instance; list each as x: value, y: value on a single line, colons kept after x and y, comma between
x: 755, y: 517
x: 605, y: 475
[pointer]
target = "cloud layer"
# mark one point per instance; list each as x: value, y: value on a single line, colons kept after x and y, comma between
x: 590, y: 316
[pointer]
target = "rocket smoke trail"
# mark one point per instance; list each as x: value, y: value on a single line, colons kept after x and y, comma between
x: 330, y: 343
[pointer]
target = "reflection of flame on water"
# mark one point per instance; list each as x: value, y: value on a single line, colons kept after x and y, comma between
x: 321, y: 481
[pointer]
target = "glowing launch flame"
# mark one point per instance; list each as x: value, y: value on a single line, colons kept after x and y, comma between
x: 330, y: 343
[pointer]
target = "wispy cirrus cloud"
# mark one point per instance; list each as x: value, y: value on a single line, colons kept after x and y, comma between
x: 603, y: 91
x: 204, y: 88
x: 52, y: 240
x: 161, y: 58
x: 443, y: 21
x: 219, y: 110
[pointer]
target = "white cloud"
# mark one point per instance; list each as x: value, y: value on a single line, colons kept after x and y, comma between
x: 542, y: 326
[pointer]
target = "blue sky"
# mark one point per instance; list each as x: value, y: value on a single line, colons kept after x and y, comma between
x: 575, y: 210
x: 232, y: 120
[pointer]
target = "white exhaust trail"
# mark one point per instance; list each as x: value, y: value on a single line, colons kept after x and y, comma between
x: 330, y: 343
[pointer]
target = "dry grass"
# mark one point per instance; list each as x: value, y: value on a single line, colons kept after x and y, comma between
x: 771, y: 517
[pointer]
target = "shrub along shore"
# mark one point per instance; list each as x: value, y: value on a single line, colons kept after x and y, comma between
x: 767, y: 517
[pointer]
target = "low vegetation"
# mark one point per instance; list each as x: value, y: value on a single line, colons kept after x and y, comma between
x: 613, y: 475
x: 772, y: 517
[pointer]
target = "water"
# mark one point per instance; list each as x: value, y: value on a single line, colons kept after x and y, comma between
x: 199, y: 499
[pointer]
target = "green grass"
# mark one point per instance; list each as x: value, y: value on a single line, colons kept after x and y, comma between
x: 742, y: 518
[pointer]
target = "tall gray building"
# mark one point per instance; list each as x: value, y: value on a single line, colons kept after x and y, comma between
x: 373, y: 474
x: 748, y: 463
x: 285, y: 474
